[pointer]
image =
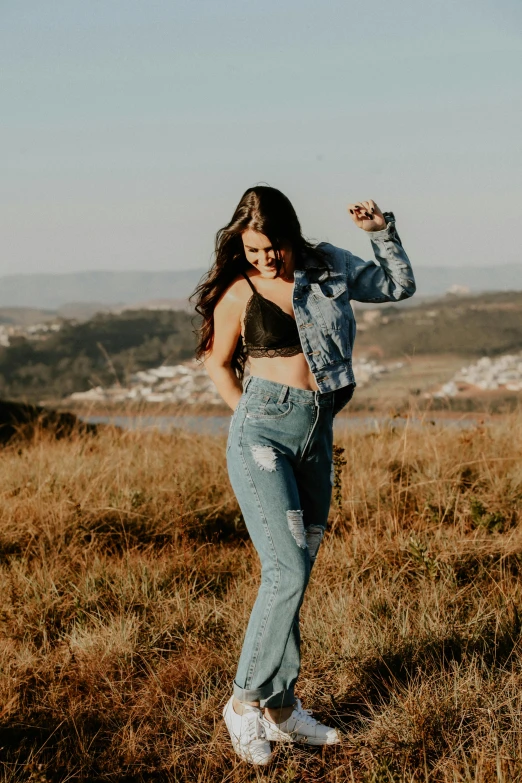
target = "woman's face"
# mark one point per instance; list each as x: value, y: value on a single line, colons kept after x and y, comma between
x: 260, y: 253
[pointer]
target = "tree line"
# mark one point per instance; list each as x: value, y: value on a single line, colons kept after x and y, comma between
x: 102, y: 351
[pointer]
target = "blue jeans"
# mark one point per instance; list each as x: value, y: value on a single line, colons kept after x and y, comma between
x: 279, y: 456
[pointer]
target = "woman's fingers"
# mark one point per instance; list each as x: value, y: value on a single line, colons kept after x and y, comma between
x: 367, y: 215
x: 356, y: 209
x: 364, y: 210
x: 376, y: 210
x: 364, y: 206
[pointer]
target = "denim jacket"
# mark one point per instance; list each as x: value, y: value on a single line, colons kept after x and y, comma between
x: 321, y: 300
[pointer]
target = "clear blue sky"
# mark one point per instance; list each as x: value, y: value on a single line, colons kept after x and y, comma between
x: 130, y: 128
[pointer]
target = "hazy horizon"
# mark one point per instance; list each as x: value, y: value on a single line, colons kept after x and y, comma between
x: 133, y: 129
x: 166, y: 270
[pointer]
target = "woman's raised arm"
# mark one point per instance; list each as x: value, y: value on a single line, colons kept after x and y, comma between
x: 392, y: 278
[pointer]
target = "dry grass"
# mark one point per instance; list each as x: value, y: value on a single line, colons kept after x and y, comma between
x: 126, y: 581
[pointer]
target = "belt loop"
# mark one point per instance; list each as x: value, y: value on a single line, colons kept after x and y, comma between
x: 283, y: 394
x: 246, y: 382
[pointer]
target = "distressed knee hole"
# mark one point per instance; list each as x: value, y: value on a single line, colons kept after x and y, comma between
x: 314, y: 536
x: 296, y: 525
x: 264, y: 457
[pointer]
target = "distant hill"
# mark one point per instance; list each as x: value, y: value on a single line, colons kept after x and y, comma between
x: 52, y: 291
x: 82, y: 311
x: 436, y: 280
x: 116, y: 289
x: 103, y: 350
x: 25, y: 316
x: 485, y: 325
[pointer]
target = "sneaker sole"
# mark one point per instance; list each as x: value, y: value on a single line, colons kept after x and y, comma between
x: 303, y: 740
x: 318, y: 741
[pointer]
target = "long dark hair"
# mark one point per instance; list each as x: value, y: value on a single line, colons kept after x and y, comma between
x: 269, y: 212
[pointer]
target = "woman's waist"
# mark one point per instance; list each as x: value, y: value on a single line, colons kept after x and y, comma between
x: 284, y: 392
x: 288, y: 370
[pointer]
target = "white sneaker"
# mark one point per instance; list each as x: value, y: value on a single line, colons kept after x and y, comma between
x: 300, y: 727
x: 247, y: 733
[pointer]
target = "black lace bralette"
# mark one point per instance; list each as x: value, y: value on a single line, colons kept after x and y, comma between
x: 269, y: 331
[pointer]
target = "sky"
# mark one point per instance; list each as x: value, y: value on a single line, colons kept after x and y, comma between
x: 131, y: 128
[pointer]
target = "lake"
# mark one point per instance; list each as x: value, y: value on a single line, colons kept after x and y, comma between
x: 218, y: 425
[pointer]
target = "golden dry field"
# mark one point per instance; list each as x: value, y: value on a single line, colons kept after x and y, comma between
x: 127, y: 579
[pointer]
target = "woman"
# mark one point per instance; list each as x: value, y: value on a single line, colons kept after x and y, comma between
x: 284, y: 304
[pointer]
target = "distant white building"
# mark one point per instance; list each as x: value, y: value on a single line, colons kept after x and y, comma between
x: 458, y: 290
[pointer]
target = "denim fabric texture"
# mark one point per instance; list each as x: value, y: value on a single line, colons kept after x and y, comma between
x: 321, y: 300
x: 279, y: 456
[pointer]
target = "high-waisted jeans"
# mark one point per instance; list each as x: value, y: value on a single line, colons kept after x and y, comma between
x: 279, y: 456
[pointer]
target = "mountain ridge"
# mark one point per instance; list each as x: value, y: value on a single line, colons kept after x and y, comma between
x: 115, y: 288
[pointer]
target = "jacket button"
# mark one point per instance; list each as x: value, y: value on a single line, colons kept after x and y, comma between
x: 314, y: 353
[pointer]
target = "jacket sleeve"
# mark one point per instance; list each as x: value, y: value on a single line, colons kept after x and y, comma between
x: 388, y: 281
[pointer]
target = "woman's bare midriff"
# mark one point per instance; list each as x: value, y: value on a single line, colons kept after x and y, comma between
x: 288, y: 370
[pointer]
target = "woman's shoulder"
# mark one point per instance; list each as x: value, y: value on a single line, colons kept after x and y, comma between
x: 329, y: 250
x: 236, y: 292
x: 326, y: 254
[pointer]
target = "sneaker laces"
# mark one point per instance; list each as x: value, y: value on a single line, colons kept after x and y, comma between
x: 254, y: 728
x: 305, y: 716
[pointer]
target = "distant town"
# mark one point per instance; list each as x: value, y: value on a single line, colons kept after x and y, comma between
x: 33, y: 332
x: 189, y: 384
x: 503, y: 372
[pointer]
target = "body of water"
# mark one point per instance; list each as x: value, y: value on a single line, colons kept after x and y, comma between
x: 218, y: 425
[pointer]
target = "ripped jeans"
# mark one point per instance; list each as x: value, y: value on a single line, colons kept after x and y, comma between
x: 279, y: 456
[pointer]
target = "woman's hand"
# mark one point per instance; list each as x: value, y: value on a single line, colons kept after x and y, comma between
x: 367, y: 215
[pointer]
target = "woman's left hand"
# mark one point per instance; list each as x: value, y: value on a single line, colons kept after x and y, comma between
x: 367, y: 215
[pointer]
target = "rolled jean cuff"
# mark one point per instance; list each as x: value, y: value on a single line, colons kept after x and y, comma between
x: 265, y: 696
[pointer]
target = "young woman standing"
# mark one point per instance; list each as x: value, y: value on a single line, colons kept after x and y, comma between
x: 274, y: 299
